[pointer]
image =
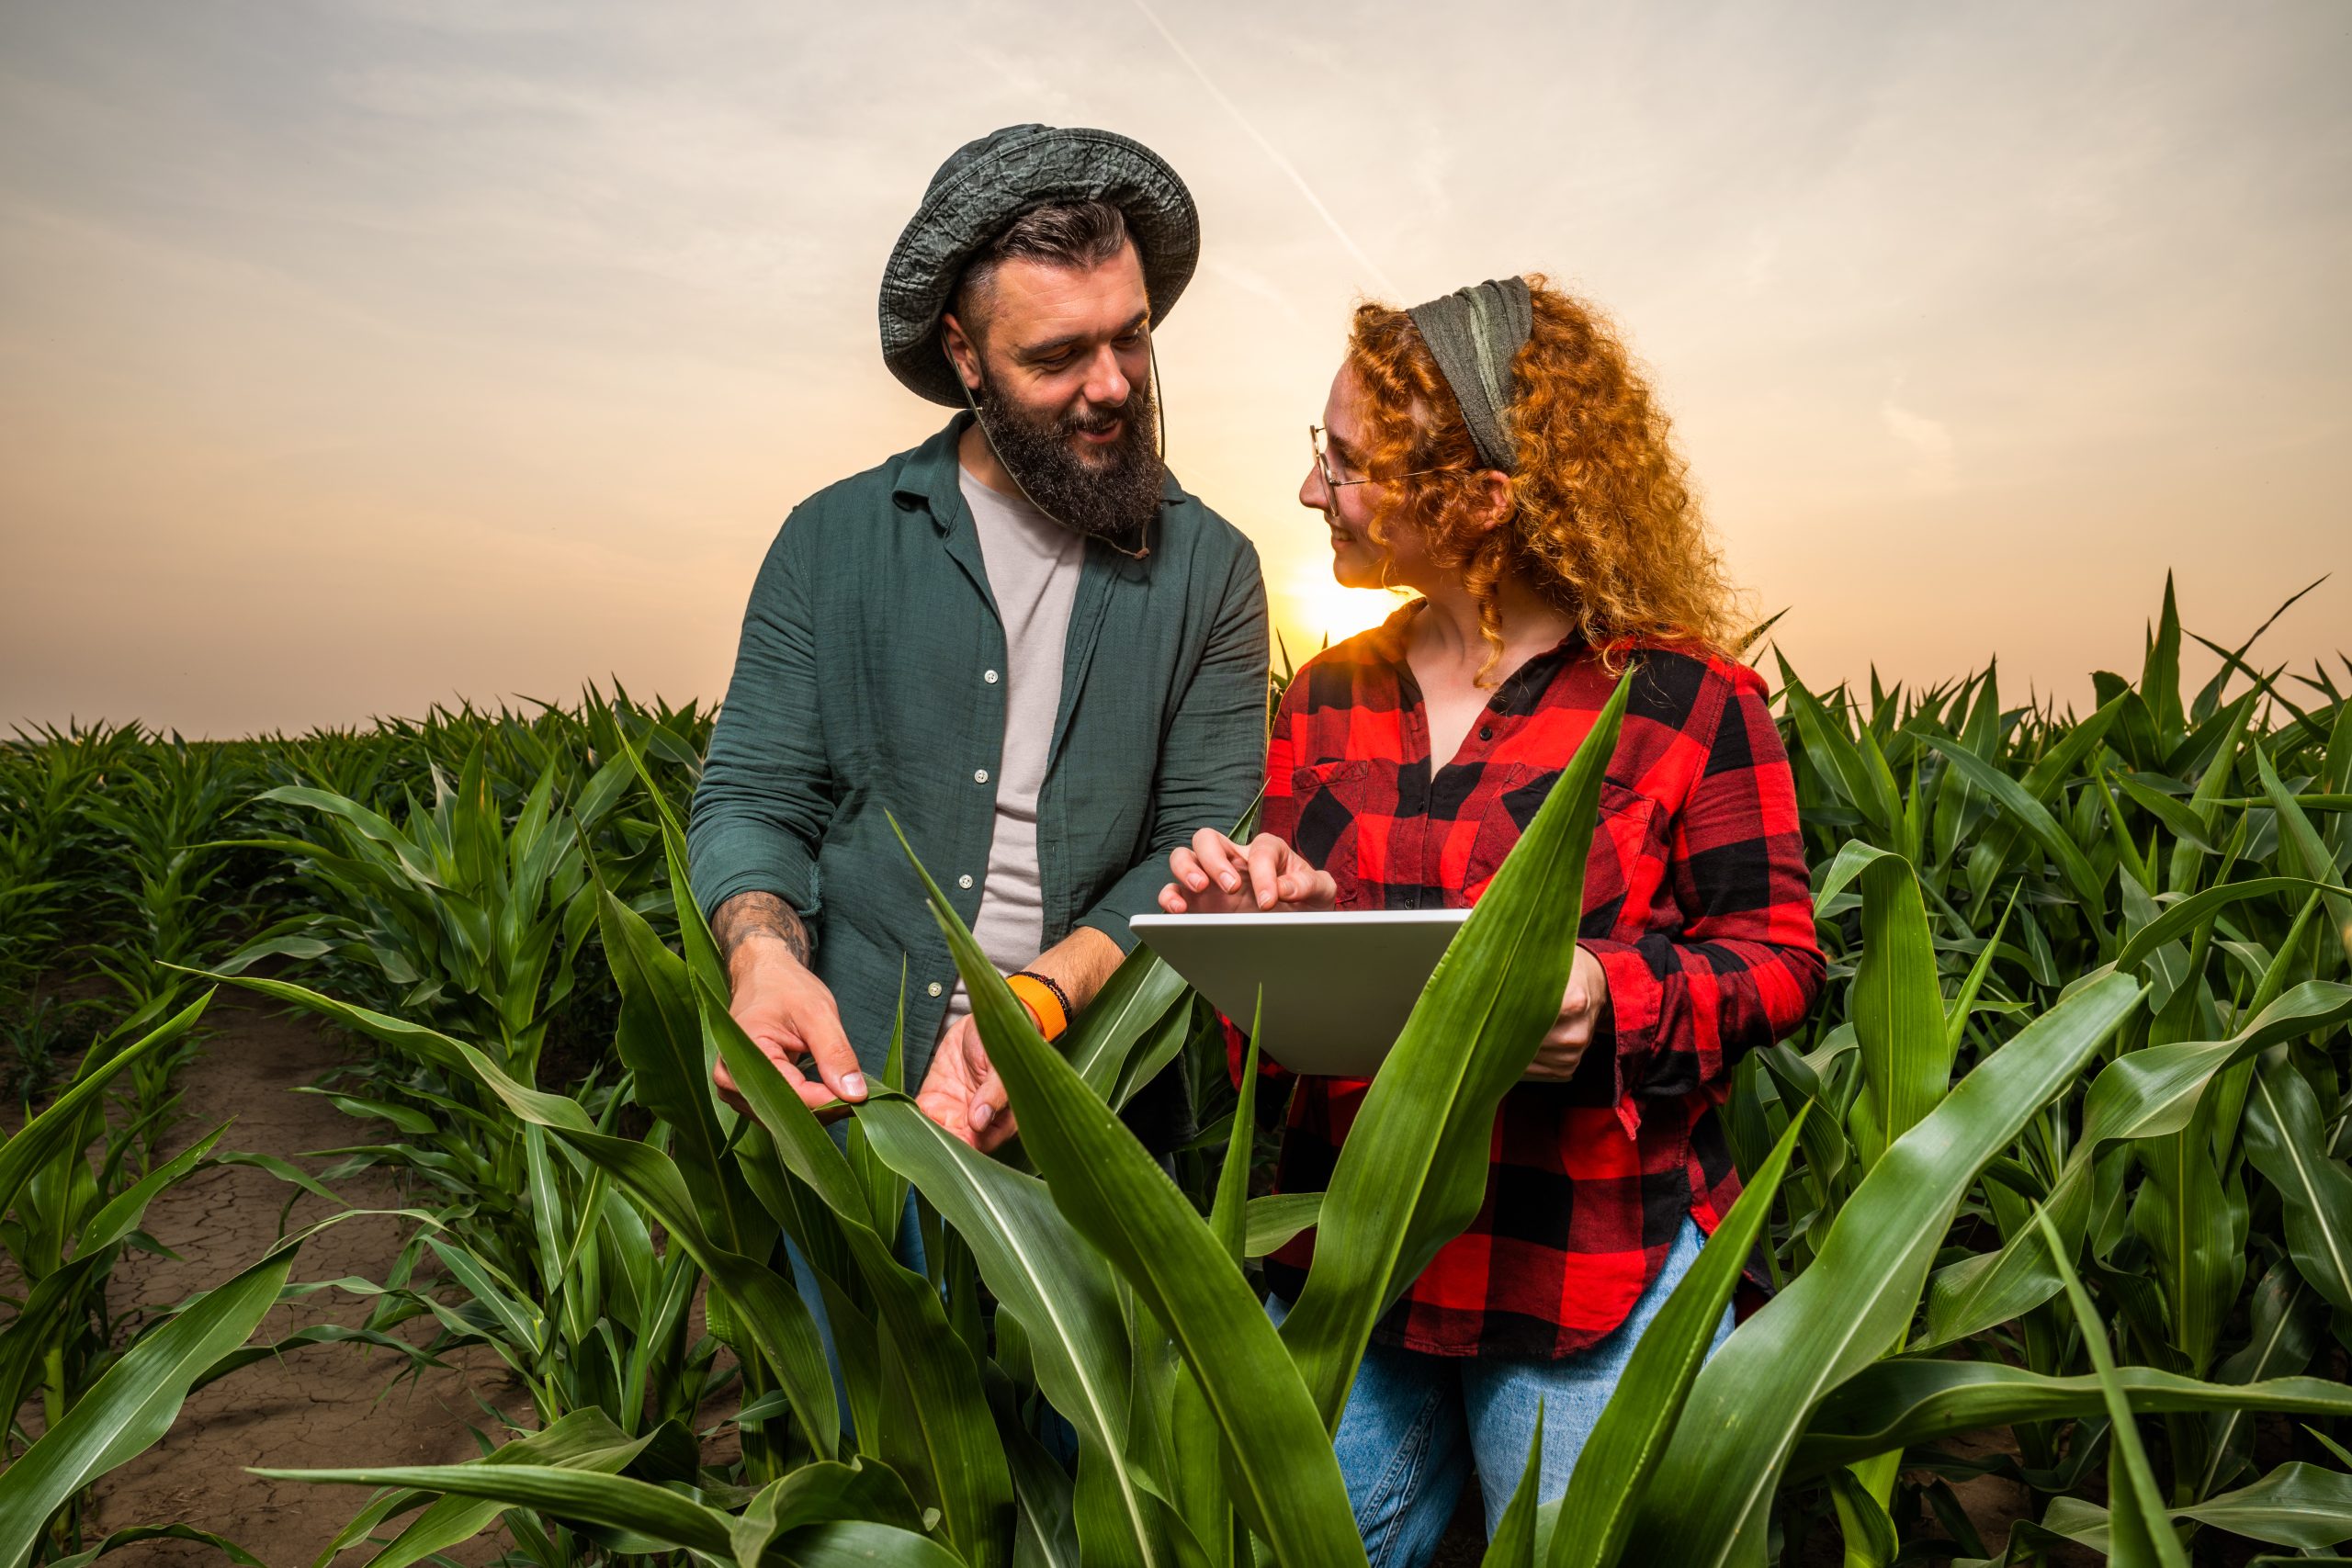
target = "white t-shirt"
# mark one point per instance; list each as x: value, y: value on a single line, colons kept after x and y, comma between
x: 1032, y: 565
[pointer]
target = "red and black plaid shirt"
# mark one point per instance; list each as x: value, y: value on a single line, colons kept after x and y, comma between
x: 1695, y: 901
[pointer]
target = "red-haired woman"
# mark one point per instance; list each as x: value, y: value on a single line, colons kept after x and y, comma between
x: 1495, y: 452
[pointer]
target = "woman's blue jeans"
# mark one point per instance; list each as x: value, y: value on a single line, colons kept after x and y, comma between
x: 1417, y: 1424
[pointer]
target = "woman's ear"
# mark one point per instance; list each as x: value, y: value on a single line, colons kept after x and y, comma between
x: 1496, y: 500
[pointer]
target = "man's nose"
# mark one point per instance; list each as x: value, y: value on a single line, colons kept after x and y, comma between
x: 1106, y: 384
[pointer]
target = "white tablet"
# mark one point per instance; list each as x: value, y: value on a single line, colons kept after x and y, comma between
x: 1339, y: 987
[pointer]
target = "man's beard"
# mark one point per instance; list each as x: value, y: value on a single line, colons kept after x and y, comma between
x: 1114, y: 496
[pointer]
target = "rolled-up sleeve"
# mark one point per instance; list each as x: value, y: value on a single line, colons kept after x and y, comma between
x: 1745, y: 968
x: 767, y: 793
x: 1212, y: 754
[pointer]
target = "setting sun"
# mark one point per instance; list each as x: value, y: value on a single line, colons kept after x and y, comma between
x: 1310, y: 609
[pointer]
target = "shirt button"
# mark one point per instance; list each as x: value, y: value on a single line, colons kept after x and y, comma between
x: 1486, y: 732
x: 980, y: 775
x: 964, y: 881
x: 934, y: 988
x: 990, y: 676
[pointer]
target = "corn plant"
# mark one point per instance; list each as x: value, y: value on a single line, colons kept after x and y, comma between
x: 106, y: 1384
x: 2062, y: 1154
x: 1203, y: 1429
x: 49, y: 876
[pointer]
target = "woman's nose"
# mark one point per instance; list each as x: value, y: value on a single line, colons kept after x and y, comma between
x: 1314, y: 494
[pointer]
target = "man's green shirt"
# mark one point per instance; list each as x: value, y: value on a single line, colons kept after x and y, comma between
x: 869, y: 686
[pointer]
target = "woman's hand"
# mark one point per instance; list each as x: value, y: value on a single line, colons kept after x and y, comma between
x: 1217, y: 877
x: 1584, y: 1006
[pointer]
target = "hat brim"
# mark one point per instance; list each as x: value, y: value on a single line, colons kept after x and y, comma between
x: 972, y: 206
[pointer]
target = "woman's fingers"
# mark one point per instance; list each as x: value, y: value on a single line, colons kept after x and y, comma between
x: 1555, y: 1062
x: 1213, y: 875
x: 1219, y: 858
x: 1567, y: 1031
x: 1267, y: 854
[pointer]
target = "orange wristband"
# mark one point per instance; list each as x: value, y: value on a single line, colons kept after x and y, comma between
x: 1039, y: 999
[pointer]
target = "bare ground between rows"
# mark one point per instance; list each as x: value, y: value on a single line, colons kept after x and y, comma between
x: 323, y: 1406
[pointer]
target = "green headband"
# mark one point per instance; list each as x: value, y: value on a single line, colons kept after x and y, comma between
x: 1473, y: 334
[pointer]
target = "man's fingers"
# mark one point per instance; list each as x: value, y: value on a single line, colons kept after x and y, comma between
x: 1001, y: 1130
x: 1185, y: 866
x: 813, y: 1092
x: 829, y: 1049
x: 988, y: 1100
x: 991, y: 1120
x: 724, y: 1081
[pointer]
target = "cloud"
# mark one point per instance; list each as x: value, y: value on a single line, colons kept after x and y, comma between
x: 596, y: 279
x: 1933, y: 469
x: 1249, y: 281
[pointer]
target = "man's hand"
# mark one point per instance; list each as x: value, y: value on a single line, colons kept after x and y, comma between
x: 1217, y: 877
x: 788, y: 1012
x: 1581, y: 1010
x: 962, y: 1092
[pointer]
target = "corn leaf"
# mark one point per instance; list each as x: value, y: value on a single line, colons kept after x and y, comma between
x: 2141, y: 1534
x: 2147, y: 1093
x: 1284, y: 1478
x: 2296, y: 1505
x: 937, y: 1429
x: 130, y: 1408
x: 777, y: 1319
x: 55, y: 1128
x: 1612, y: 1473
x: 1046, y: 1275
x: 1857, y: 1299
x: 616, y: 1501
x: 1899, y: 1403
x: 2287, y: 1141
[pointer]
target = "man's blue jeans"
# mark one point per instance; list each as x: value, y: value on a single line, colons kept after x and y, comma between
x: 908, y: 1249
x: 1416, y: 1424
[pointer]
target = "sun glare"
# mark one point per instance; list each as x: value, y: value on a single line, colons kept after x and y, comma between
x: 1311, y: 608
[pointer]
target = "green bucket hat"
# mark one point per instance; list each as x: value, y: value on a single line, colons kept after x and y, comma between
x: 986, y: 183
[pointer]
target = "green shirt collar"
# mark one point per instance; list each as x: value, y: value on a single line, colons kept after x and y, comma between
x: 929, y: 474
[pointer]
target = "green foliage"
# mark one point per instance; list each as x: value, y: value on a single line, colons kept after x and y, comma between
x: 2062, y: 1154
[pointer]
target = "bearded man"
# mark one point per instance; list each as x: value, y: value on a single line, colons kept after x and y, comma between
x: 1022, y: 639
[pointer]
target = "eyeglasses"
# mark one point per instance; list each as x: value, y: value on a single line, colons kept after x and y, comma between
x: 1317, y: 437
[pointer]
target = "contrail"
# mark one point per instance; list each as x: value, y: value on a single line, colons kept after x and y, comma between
x: 1284, y: 165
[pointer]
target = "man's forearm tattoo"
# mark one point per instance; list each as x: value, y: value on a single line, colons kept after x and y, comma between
x: 750, y: 915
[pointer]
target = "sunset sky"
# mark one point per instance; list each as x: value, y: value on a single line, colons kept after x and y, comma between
x: 358, y: 356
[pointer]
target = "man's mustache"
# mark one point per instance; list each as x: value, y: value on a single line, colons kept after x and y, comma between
x: 1097, y: 425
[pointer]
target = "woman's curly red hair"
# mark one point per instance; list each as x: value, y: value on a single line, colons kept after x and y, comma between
x: 1603, y: 522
